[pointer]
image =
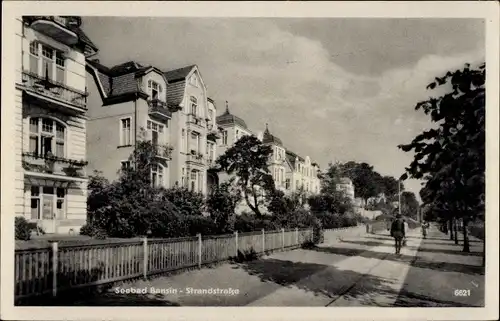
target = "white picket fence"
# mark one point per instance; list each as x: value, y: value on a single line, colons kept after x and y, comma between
x: 52, y: 270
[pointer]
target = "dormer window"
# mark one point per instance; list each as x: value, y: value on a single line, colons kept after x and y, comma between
x: 154, y: 89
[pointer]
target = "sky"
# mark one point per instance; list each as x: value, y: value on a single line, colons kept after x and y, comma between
x: 335, y: 89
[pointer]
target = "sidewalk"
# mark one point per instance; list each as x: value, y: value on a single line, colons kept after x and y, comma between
x: 354, y: 271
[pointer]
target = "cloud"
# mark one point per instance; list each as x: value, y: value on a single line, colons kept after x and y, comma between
x: 271, y: 75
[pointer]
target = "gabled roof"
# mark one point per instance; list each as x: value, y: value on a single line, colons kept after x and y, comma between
x: 120, y: 80
x: 291, y: 157
x: 178, y: 74
x: 229, y: 119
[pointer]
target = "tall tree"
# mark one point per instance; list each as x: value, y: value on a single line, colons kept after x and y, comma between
x: 248, y: 160
x: 451, y: 157
x: 409, y: 204
x: 367, y: 182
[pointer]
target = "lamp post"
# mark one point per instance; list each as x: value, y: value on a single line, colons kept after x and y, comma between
x: 399, y: 196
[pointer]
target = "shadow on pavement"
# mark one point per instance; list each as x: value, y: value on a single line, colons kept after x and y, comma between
x: 317, y: 278
x: 418, y: 262
x: 420, y: 249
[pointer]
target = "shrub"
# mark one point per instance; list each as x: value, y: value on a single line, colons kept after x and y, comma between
x: 200, y: 224
x: 221, y: 204
x: 186, y: 202
x: 23, y: 229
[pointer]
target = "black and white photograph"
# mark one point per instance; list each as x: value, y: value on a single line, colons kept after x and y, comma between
x: 242, y: 160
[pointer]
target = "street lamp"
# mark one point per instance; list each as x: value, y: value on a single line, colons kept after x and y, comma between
x: 399, y: 195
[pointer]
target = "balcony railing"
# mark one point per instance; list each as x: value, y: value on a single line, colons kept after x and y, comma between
x: 49, y: 88
x: 51, y: 164
x: 164, y: 151
x: 193, y: 119
x: 56, y: 27
x: 158, y: 108
x: 195, y: 157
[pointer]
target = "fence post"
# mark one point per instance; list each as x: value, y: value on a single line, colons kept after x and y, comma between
x: 146, y: 258
x: 236, y: 240
x: 263, y: 242
x: 282, y: 239
x: 297, y: 235
x: 54, y: 267
x: 199, y: 250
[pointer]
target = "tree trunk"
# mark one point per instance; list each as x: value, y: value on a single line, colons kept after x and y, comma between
x: 455, y: 230
x: 450, y: 228
x: 466, y: 247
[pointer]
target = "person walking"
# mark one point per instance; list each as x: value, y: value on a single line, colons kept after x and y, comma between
x: 424, y: 229
x: 398, y: 232
x: 406, y: 228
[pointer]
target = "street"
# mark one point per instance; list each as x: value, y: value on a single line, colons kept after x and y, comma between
x: 356, y: 271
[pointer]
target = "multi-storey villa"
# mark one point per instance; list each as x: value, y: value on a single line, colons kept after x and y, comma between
x: 277, y: 161
x: 301, y: 174
x: 290, y: 172
x: 346, y: 187
x: 132, y: 102
x: 51, y: 106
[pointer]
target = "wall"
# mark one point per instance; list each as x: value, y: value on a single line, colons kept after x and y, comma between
x: 103, y: 132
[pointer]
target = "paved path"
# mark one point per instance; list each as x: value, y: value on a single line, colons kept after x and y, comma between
x: 360, y: 271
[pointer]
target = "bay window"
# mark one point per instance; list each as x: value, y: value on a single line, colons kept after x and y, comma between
x: 47, y: 136
x: 45, y: 60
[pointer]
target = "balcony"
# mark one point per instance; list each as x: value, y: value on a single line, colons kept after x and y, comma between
x: 159, y: 109
x: 195, y: 158
x: 164, y: 151
x: 37, y: 164
x: 195, y: 121
x: 46, y: 90
x: 56, y: 27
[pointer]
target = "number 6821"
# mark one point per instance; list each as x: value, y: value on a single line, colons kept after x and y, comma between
x: 460, y: 292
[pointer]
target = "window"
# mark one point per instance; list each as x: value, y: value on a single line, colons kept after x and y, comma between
x: 237, y: 134
x: 211, y: 114
x: 194, y: 180
x: 155, y: 132
x: 154, y: 89
x: 43, y: 200
x: 183, y: 177
x: 46, y: 136
x: 157, y: 175
x: 125, y: 135
x: 224, y: 137
x: 125, y: 165
x: 44, y: 59
x: 194, y: 105
x: 194, y: 80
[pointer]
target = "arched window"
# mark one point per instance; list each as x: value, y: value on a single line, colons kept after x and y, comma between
x: 194, y: 105
x: 47, y: 136
x: 157, y: 175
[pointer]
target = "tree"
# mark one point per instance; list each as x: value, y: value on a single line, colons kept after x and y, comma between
x: 451, y: 157
x: 131, y: 205
x: 221, y: 204
x: 390, y: 187
x: 248, y: 160
x: 409, y: 205
x: 367, y: 182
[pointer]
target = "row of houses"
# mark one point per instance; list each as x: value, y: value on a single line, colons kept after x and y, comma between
x: 75, y: 115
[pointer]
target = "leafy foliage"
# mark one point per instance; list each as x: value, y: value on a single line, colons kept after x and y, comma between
x: 23, y: 229
x: 221, y: 204
x: 248, y: 160
x: 185, y: 201
x: 451, y: 157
